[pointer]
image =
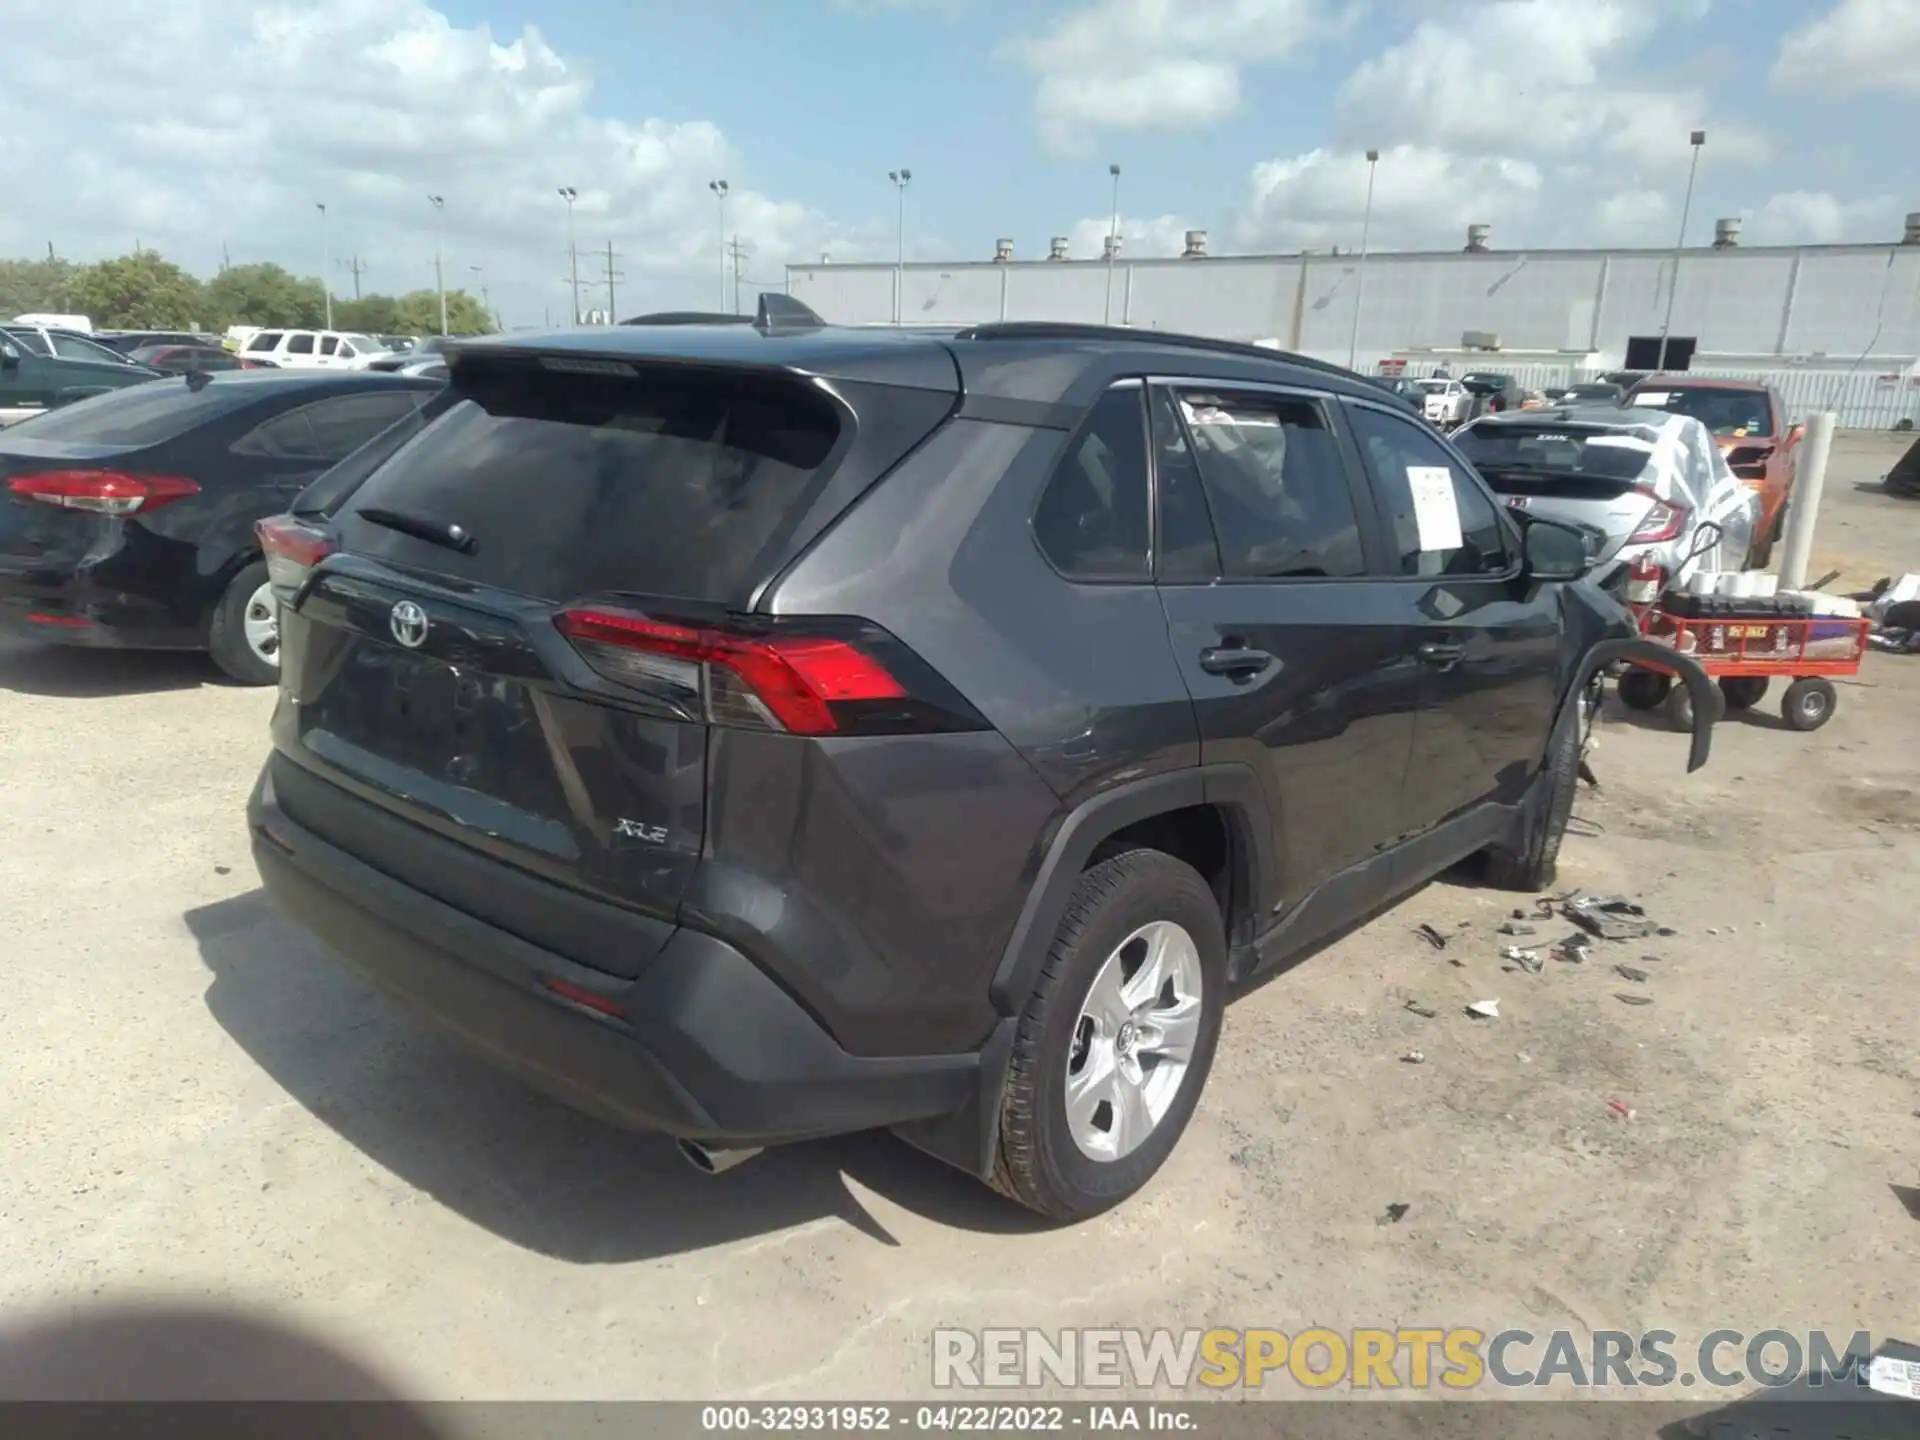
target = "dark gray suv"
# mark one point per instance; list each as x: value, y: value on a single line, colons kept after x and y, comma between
x: 756, y: 732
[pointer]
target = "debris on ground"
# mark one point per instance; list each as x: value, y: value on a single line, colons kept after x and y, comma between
x: 1896, y: 625
x: 1396, y: 1212
x: 1631, y: 972
x: 1432, y: 936
x: 1609, y: 917
x: 1484, y: 1009
x: 1524, y: 1058
x: 1527, y: 960
x: 1413, y: 1057
x: 1620, y: 1109
x: 1543, y: 909
x: 1574, y: 950
x: 1626, y: 999
x: 1513, y: 927
x: 1425, y: 1012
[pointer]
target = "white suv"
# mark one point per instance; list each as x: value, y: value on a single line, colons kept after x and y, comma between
x: 313, y: 349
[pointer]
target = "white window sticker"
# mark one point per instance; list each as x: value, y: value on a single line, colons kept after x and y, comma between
x: 1653, y: 397
x: 1892, y: 1376
x: 1434, y: 514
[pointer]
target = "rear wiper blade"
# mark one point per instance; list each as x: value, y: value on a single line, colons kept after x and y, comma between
x: 434, y: 532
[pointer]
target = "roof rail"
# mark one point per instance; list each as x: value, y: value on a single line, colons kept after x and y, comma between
x: 1061, y: 330
x: 777, y: 314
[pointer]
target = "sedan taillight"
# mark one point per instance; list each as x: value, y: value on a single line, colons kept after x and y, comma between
x: 1664, y: 521
x: 102, y: 492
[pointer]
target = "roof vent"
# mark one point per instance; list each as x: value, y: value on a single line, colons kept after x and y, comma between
x: 1912, y: 237
x: 1057, y: 248
x: 1477, y: 238
x: 1196, y: 247
x: 1726, y: 233
x: 1111, y: 250
x: 1003, y: 250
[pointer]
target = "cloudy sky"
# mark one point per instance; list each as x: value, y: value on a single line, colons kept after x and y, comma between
x: 198, y: 125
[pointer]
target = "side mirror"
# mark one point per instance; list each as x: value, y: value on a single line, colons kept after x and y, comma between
x: 1796, y: 433
x: 1556, y: 551
x: 9, y: 358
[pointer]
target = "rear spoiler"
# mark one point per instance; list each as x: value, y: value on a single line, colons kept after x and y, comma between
x: 776, y: 314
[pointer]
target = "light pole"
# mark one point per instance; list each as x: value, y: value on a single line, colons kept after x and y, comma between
x: 439, y: 203
x: 1113, y: 239
x: 1360, y: 275
x: 1697, y: 139
x: 901, y: 178
x: 719, y: 188
x: 486, y: 301
x: 326, y: 261
x: 569, y: 194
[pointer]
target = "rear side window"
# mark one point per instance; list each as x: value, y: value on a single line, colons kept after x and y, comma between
x: 1276, y: 483
x: 1093, y: 520
x: 1441, y: 521
x: 300, y: 344
x: 670, y: 484
x: 327, y: 429
x: 149, y: 413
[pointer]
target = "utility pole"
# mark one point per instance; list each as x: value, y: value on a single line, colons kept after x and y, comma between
x: 737, y: 250
x: 611, y: 277
x: 326, y: 260
x: 1360, y: 275
x: 1697, y: 139
x: 569, y: 194
x: 355, y: 267
x: 439, y: 203
x: 226, y: 260
x: 719, y: 189
x: 1113, y: 240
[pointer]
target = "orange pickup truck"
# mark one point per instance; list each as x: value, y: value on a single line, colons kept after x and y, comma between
x: 1750, y: 426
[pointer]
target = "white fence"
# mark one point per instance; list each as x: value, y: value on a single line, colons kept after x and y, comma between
x: 1863, y: 400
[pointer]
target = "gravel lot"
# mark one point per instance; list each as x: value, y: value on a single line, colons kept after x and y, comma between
x: 200, y: 1103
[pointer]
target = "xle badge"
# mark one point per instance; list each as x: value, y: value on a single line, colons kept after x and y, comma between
x: 634, y: 830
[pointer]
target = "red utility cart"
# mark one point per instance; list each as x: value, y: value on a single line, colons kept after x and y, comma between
x: 1744, y: 652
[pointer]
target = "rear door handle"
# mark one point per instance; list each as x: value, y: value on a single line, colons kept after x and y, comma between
x: 1234, y: 660
x: 1441, y: 656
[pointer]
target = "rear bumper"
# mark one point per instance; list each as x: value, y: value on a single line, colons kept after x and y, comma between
x: 704, y: 1045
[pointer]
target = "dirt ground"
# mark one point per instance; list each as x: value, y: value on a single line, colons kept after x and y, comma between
x: 198, y: 1102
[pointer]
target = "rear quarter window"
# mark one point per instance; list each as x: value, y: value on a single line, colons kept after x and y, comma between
x: 669, y: 484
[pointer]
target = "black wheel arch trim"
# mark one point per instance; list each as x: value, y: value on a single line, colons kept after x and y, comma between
x: 1235, y: 789
x: 1665, y: 660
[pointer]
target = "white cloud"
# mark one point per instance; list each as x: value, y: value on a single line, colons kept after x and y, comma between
x: 1635, y: 217
x: 369, y: 106
x: 1858, y: 45
x: 1141, y: 237
x: 1535, y: 79
x: 1802, y: 217
x: 1422, y: 198
x: 1116, y: 66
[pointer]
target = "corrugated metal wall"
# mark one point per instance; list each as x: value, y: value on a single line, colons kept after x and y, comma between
x: 1824, y: 302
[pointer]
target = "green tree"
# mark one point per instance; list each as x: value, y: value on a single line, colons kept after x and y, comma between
x: 371, y: 315
x: 138, y: 292
x: 264, y: 294
x: 35, y: 286
x: 418, y: 313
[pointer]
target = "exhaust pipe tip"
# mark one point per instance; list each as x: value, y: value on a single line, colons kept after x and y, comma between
x: 709, y: 1161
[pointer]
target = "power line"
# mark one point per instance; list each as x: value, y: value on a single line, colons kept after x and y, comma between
x: 737, y: 252
x: 355, y: 267
x: 612, y: 276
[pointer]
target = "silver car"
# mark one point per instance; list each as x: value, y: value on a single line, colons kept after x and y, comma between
x: 1645, y: 481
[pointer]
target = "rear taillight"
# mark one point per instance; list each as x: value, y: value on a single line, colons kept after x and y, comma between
x: 292, y: 548
x: 817, y: 677
x: 1663, y: 522
x: 102, y: 492
x: 1645, y: 581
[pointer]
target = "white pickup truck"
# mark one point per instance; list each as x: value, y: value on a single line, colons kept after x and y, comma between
x: 1444, y: 402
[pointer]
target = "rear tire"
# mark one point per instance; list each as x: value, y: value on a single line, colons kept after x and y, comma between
x: 1530, y: 862
x: 244, y: 637
x: 1809, y: 703
x: 1060, y: 1159
x: 1643, y: 689
x: 1743, y: 692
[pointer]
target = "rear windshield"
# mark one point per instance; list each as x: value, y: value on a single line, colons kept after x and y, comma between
x: 1595, y: 453
x: 671, y: 485
x: 1725, y: 412
x: 149, y: 413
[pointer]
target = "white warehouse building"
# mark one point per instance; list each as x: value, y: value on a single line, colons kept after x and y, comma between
x: 1840, y: 323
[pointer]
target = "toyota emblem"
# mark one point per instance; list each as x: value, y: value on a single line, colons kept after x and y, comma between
x: 409, y: 624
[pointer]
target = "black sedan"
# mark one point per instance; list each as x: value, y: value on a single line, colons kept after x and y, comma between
x: 128, y: 519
